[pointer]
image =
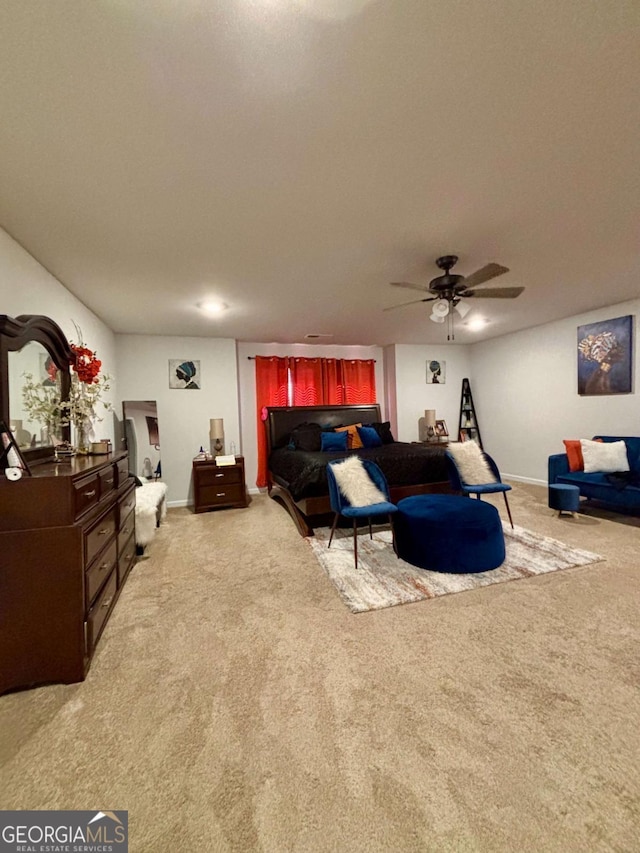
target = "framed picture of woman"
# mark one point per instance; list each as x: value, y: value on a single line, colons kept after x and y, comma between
x: 441, y: 429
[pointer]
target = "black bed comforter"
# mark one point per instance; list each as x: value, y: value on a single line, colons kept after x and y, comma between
x: 304, y: 474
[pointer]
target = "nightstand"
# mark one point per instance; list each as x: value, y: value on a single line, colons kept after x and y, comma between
x: 218, y: 486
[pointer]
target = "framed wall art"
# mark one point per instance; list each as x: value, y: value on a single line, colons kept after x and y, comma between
x: 605, y: 357
x: 436, y: 373
x: 184, y: 374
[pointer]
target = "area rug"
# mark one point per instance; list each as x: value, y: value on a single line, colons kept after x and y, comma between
x: 382, y: 580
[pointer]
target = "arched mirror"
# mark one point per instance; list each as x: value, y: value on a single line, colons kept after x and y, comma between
x: 33, y: 351
x: 142, y: 437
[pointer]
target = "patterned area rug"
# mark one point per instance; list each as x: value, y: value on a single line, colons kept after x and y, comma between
x: 382, y: 580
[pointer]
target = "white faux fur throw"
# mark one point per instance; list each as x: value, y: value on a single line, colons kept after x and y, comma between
x: 471, y: 464
x: 149, y: 498
x: 355, y: 484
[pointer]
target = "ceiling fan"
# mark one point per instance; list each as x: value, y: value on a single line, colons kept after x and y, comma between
x: 447, y: 290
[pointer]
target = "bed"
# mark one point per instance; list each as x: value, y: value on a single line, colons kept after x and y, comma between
x: 297, y: 478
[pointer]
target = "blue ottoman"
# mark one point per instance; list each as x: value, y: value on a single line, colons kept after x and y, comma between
x: 564, y: 498
x: 449, y: 533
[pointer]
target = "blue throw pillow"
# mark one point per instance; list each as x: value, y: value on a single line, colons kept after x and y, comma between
x: 369, y: 437
x: 334, y: 440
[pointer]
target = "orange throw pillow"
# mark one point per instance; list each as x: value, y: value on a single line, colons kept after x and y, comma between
x: 574, y: 454
x: 354, y: 441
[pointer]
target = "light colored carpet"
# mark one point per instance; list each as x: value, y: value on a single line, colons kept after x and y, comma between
x: 382, y: 580
x: 235, y: 704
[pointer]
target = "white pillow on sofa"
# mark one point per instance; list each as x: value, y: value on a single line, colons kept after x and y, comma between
x: 604, y: 457
x: 355, y: 484
x: 472, y: 466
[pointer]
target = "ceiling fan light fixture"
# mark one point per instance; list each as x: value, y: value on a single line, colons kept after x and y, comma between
x: 440, y: 308
x: 436, y: 319
x: 463, y: 309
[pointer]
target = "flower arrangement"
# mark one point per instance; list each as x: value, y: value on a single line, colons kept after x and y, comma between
x: 42, y: 401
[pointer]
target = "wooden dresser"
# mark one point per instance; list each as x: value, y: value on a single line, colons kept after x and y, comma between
x: 67, y: 544
x: 217, y: 486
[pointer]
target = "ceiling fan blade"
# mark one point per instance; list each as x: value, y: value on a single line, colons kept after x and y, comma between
x: 495, y: 293
x: 414, y: 302
x: 409, y: 285
x: 484, y: 274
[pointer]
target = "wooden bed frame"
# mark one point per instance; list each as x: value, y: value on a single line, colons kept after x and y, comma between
x: 313, y: 511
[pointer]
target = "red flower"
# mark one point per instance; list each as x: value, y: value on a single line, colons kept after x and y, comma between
x: 87, y: 366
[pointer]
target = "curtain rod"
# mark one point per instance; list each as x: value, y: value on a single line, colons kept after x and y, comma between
x: 253, y: 357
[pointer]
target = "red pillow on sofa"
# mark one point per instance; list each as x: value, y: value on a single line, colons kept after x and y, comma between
x: 574, y: 454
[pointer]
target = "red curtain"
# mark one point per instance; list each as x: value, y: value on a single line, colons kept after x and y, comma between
x: 315, y: 382
x: 359, y: 379
x: 306, y: 379
x: 332, y: 389
x: 272, y: 380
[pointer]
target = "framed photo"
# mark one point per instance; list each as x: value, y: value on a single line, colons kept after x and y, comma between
x: 436, y: 373
x: 605, y: 356
x: 441, y: 429
x: 10, y: 455
x: 184, y: 374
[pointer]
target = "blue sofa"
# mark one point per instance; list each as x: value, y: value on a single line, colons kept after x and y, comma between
x: 600, y: 487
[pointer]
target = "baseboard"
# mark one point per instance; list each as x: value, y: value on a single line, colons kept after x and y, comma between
x: 256, y: 491
x: 520, y: 479
x: 178, y: 503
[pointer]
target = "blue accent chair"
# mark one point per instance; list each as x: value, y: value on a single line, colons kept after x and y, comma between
x: 458, y: 485
x: 341, y: 506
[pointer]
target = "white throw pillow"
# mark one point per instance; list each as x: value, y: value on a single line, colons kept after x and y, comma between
x: 355, y: 484
x: 472, y: 466
x: 604, y: 457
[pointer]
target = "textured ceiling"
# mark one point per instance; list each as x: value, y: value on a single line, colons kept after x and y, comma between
x: 292, y: 157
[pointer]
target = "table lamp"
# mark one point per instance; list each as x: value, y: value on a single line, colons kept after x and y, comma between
x: 216, y: 436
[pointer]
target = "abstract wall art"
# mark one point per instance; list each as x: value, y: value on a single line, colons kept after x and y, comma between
x: 605, y: 357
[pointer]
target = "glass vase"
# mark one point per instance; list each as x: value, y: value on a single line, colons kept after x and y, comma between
x: 83, y: 441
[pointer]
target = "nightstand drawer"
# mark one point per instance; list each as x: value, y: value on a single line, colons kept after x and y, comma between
x: 221, y: 495
x: 214, y: 476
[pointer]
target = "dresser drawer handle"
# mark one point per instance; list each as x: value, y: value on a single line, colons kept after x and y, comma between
x: 109, y: 481
x: 104, y: 566
x: 103, y: 532
x: 220, y: 494
x: 125, y: 530
x: 89, y: 494
x: 107, y: 602
x: 219, y: 475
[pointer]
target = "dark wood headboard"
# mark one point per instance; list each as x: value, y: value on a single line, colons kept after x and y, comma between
x: 282, y: 419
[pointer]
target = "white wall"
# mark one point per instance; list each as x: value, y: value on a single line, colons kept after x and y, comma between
x: 183, y: 415
x: 413, y: 395
x: 525, y: 392
x: 27, y: 288
x: 247, y: 386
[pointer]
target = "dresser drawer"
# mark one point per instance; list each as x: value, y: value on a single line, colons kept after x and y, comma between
x: 99, y: 613
x: 126, y: 559
x: 122, y: 471
x: 107, y: 480
x: 126, y: 504
x: 86, y: 493
x: 221, y: 495
x: 98, y: 535
x: 214, y: 476
x: 99, y: 571
x: 127, y: 527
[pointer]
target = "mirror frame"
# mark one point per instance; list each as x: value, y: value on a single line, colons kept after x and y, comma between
x: 16, y: 333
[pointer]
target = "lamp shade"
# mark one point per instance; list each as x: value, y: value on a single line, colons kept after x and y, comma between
x: 216, y: 428
x: 429, y: 417
x: 463, y: 309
